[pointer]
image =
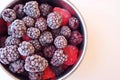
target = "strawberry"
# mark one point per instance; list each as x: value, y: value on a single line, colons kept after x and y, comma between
x: 3, y: 27
x: 26, y: 38
x: 65, y: 15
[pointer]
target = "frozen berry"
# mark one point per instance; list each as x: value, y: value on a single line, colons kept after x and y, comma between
x: 3, y: 27
x: 2, y: 41
x: 18, y: 28
x: 58, y: 70
x: 35, y: 76
x: 35, y: 63
x: 33, y: 33
x: 54, y: 20
x: 45, y: 9
x: 17, y: 66
x: 56, y: 32
x: 26, y: 48
x: 31, y: 9
x: 12, y: 41
x: 46, y: 38
x: 58, y: 58
x: 49, y: 51
x: 19, y: 10
x: 65, y: 31
x: 9, y: 30
x: 9, y: 54
x: 26, y: 38
x: 73, y: 23
x: 60, y: 42
x: 65, y: 14
x: 72, y: 53
x: 29, y: 22
x: 8, y: 15
x: 76, y: 38
x: 41, y: 24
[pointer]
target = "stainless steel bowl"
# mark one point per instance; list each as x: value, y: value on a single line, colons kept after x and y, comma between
x: 74, y: 11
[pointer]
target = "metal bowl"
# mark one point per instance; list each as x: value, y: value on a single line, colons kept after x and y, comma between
x: 74, y: 11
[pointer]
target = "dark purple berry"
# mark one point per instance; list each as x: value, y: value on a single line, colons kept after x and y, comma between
x: 56, y: 32
x: 58, y: 70
x: 2, y: 41
x: 73, y: 23
x: 35, y: 76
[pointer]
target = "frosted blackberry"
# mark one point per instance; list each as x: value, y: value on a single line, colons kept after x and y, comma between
x: 58, y: 58
x: 58, y: 70
x: 17, y: 66
x: 19, y: 10
x: 46, y: 38
x: 45, y: 9
x: 12, y: 41
x: 76, y: 38
x: 49, y: 51
x: 29, y: 22
x: 41, y: 24
x: 33, y: 33
x: 9, y: 54
x: 35, y: 76
x: 31, y: 9
x: 8, y: 15
x: 35, y: 63
x: 18, y: 28
x: 9, y: 30
x: 65, y: 31
x: 60, y: 42
x: 36, y: 45
x: 73, y: 23
x: 54, y: 20
x: 26, y: 48
x: 56, y: 32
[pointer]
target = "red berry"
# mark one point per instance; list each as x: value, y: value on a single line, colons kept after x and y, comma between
x: 65, y: 14
x: 64, y: 66
x: 26, y: 38
x: 8, y: 23
x: 72, y: 53
x: 23, y: 57
x: 3, y: 27
x: 48, y: 74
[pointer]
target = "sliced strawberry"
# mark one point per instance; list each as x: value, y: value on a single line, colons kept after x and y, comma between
x: 26, y: 38
x: 3, y: 27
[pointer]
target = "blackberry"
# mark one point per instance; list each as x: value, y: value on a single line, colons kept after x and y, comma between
x: 54, y: 20
x: 8, y: 15
x: 73, y: 23
x: 41, y: 24
x: 12, y: 41
x: 45, y: 9
x: 46, y: 38
x: 58, y: 70
x: 60, y: 42
x: 33, y: 33
x: 9, y: 30
x: 35, y: 63
x: 29, y: 22
x: 35, y: 76
x: 18, y: 28
x: 9, y: 54
x: 26, y: 48
x: 17, y: 66
x: 58, y: 58
x: 56, y: 32
x: 65, y: 31
x: 19, y: 10
x: 31, y: 9
x: 49, y: 51
x: 76, y: 38
x: 2, y: 41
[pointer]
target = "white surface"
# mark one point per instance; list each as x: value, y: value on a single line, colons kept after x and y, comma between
x: 102, y: 59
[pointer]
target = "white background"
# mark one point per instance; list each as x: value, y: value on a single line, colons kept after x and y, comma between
x: 102, y: 59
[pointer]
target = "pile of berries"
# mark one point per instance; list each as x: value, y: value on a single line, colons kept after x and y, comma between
x: 39, y: 39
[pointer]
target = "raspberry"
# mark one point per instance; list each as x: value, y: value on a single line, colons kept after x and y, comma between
x: 9, y: 54
x: 54, y: 20
x: 8, y: 15
x: 33, y: 33
x: 17, y: 66
x: 2, y: 41
x: 26, y: 48
x: 19, y: 10
x: 65, y: 31
x: 76, y: 38
x: 29, y: 22
x: 12, y: 41
x: 41, y: 24
x: 3, y: 27
x: 31, y: 9
x: 8, y: 24
x: 26, y: 38
x: 48, y: 74
x: 49, y: 51
x: 73, y: 23
x: 35, y: 76
x: 65, y: 14
x: 45, y: 9
x: 60, y: 42
x: 18, y: 28
x: 22, y: 57
x: 58, y: 58
x: 72, y: 53
x: 46, y: 38
x: 35, y: 63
